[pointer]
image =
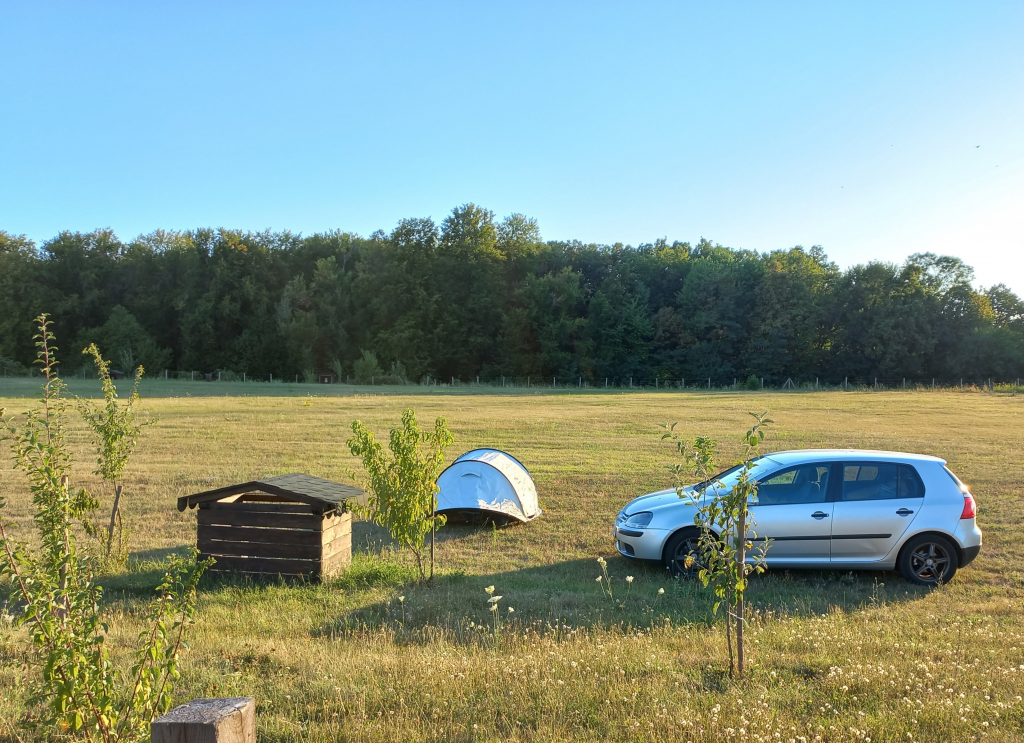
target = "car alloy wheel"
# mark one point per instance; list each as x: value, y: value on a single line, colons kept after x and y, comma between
x: 680, y: 547
x: 928, y: 561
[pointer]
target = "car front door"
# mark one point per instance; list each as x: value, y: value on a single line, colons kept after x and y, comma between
x: 875, y: 505
x: 794, y: 511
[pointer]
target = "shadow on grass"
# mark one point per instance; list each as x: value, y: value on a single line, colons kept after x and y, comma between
x: 145, y: 571
x: 567, y: 596
x: 561, y: 597
x: 369, y: 538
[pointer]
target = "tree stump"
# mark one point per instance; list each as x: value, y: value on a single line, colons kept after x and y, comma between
x: 227, y: 720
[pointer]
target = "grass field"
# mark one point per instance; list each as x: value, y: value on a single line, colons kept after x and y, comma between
x: 836, y: 656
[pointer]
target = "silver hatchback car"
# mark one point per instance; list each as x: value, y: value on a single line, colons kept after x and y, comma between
x: 843, y: 509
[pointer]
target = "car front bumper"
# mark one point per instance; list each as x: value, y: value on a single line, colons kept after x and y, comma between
x: 642, y: 544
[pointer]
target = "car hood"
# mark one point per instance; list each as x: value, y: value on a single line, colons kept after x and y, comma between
x: 658, y: 499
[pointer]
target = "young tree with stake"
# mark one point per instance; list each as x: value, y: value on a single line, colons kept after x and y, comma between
x: 726, y: 525
x: 117, y: 435
x: 403, y: 484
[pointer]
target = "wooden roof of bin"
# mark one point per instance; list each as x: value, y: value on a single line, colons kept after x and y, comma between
x: 322, y: 494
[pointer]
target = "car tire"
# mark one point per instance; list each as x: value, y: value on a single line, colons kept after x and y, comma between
x: 928, y: 560
x: 680, y: 545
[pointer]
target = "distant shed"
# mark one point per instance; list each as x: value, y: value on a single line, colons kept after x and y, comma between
x: 286, y: 525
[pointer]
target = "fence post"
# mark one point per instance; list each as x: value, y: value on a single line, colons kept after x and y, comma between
x: 243, y: 376
x: 606, y: 382
x: 815, y: 383
x: 227, y: 720
x: 527, y: 382
x: 846, y: 383
x: 684, y: 383
x: 581, y: 382
x: 631, y: 382
x: 762, y: 382
x: 709, y: 382
x: 553, y: 382
x: 478, y: 379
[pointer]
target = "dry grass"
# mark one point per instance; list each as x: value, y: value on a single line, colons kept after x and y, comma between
x: 838, y: 657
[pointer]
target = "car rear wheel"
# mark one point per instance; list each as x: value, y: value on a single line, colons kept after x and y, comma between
x: 682, y: 545
x: 928, y: 560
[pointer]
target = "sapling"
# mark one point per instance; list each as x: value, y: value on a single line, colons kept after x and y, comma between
x: 78, y: 691
x: 402, y: 485
x: 726, y: 525
x: 117, y: 434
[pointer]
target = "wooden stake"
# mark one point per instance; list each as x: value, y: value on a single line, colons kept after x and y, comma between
x: 227, y: 720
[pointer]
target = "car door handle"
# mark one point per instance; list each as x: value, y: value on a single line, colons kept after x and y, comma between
x: 904, y: 512
x: 819, y: 515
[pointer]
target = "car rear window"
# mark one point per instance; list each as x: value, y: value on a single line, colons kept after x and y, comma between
x: 869, y: 481
x: 880, y: 481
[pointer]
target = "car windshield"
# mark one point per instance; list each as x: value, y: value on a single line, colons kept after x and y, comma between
x: 728, y: 477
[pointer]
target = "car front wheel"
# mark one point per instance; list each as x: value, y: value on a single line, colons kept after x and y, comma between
x: 682, y: 545
x: 928, y: 560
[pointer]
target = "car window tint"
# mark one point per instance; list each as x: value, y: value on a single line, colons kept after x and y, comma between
x: 910, y: 483
x: 875, y: 481
x: 806, y: 483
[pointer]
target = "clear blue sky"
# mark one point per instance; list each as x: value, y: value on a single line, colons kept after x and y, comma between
x: 763, y: 125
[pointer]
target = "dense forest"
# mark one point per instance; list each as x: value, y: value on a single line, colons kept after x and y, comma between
x: 479, y: 297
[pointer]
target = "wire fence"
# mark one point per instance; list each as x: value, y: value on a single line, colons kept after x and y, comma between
x: 626, y: 383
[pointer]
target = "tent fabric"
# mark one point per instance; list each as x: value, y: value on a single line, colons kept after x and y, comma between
x: 487, y: 484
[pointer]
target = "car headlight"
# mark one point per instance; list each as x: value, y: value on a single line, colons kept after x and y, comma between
x: 640, y: 520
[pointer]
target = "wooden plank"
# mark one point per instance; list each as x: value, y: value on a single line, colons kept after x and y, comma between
x: 256, y: 549
x: 334, y: 565
x: 332, y: 548
x: 264, y: 498
x: 264, y: 565
x: 230, y: 517
x: 263, y: 536
x: 343, y: 554
x: 338, y: 532
x: 262, y: 507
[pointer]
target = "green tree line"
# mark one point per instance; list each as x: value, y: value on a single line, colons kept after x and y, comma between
x: 480, y: 296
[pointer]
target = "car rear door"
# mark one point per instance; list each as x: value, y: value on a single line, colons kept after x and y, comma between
x: 876, y: 503
x: 793, y: 510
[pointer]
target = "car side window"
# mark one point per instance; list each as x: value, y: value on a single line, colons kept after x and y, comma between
x: 870, y: 481
x: 910, y: 483
x: 805, y: 483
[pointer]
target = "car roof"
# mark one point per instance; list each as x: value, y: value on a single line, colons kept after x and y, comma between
x: 846, y: 455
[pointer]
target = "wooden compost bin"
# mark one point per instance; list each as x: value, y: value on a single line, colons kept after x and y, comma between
x: 295, y: 525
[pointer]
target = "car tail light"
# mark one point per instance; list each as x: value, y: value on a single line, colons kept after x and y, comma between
x: 970, y: 509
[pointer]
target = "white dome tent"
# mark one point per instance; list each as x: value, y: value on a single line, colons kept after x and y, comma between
x: 487, y: 485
